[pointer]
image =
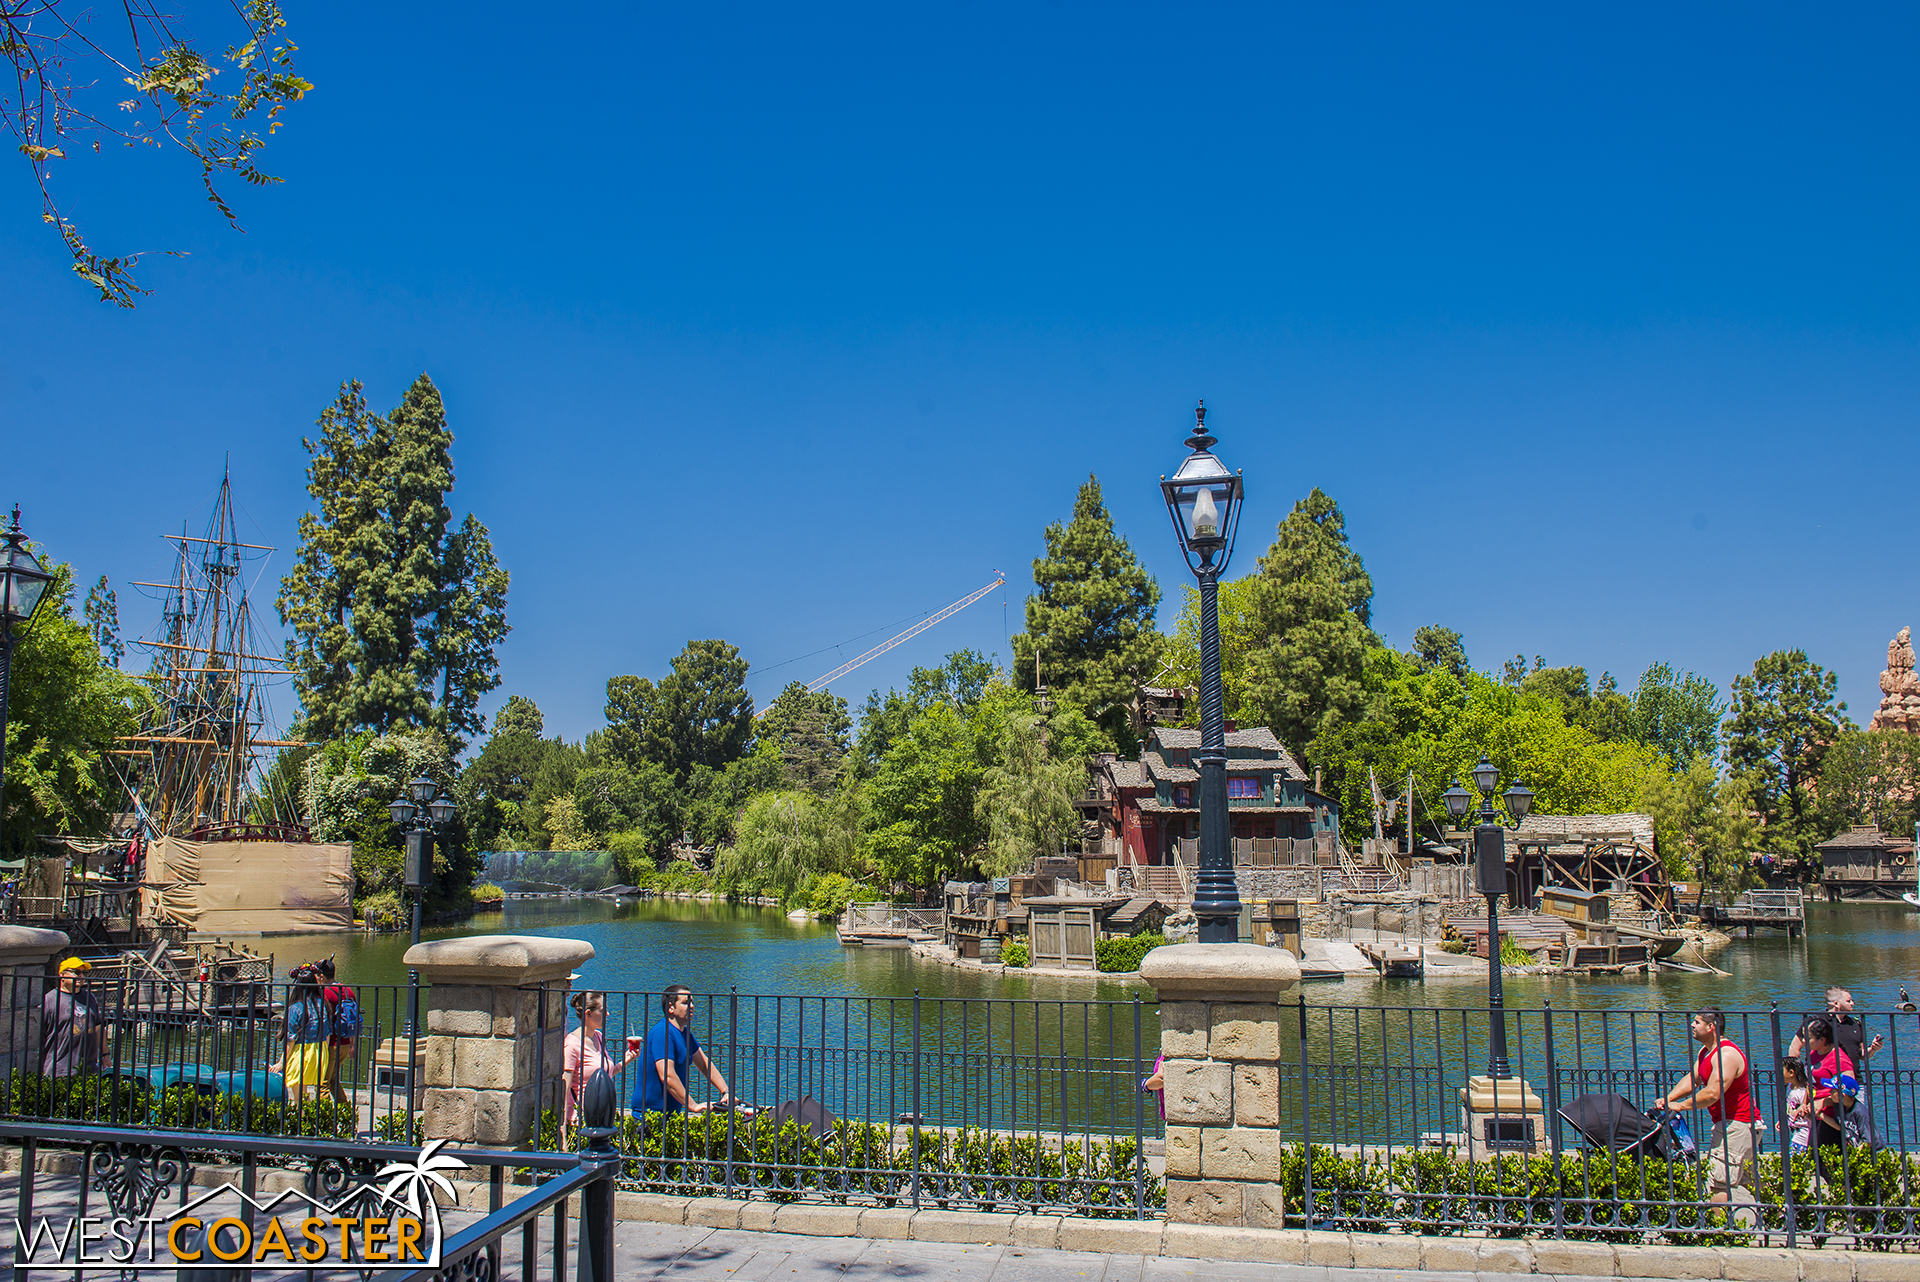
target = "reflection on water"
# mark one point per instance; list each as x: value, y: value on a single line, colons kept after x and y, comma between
x: 642, y: 947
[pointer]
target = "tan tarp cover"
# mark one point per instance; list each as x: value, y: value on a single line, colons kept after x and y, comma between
x: 243, y: 886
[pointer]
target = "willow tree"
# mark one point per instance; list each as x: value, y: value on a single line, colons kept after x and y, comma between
x: 1025, y: 798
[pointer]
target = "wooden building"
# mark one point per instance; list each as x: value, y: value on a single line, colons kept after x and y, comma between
x: 1155, y: 801
x: 1865, y: 863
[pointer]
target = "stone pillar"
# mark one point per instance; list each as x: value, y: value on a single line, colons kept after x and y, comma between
x: 483, y: 1043
x: 25, y: 952
x: 1220, y: 1035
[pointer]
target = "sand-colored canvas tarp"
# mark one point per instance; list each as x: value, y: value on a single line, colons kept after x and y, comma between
x: 245, y: 886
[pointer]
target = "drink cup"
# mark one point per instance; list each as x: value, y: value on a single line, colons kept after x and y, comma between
x: 633, y: 1043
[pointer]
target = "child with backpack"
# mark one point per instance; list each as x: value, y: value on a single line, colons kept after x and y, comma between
x: 343, y: 1021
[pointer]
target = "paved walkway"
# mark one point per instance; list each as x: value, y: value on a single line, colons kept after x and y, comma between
x: 719, y: 1255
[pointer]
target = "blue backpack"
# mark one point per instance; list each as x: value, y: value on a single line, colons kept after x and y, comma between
x: 346, y: 1013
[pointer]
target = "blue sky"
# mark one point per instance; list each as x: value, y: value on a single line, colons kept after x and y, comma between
x: 788, y: 325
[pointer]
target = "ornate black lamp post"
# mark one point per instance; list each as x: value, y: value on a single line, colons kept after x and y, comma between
x: 23, y: 586
x: 1203, y: 498
x: 1490, y: 853
x: 419, y: 813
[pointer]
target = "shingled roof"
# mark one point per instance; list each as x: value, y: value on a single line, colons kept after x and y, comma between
x: 1256, y: 738
x: 1868, y: 835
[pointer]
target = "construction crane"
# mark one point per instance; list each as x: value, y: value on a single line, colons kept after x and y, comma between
x: 821, y: 683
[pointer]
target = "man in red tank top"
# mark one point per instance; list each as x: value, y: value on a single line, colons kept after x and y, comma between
x: 1721, y: 1084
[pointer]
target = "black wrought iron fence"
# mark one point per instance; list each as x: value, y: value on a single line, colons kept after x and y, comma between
x: 897, y: 1101
x: 211, y: 1055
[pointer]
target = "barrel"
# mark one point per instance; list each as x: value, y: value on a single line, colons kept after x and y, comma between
x: 990, y: 948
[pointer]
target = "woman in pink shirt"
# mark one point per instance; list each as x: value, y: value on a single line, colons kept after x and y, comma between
x: 584, y: 1052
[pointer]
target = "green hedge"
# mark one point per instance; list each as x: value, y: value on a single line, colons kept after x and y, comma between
x: 108, y: 1101
x: 1119, y: 956
x: 968, y: 1168
x: 1014, y: 952
x: 1513, y: 1195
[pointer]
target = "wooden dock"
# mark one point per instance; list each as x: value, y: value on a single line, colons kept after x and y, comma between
x: 1393, y: 961
x: 1766, y: 909
x: 881, y: 925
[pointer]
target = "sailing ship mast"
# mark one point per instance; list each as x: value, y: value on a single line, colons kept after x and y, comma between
x: 192, y: 772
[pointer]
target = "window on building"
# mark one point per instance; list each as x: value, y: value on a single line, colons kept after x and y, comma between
x: 1243, y: 788
x: 1183, y: 796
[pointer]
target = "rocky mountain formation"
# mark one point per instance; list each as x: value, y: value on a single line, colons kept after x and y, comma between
x: 1899, y: 688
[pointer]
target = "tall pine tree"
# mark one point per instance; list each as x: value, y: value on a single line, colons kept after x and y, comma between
x: 1090, y: 618
x: 1311, y: 614
x: 395, y: 619
x: 1783, y: 721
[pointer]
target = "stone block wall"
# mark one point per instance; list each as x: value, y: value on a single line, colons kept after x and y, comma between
x: 26, y: 973
x: 493, y: 1036
x: 1222, y: 1076
x: 480, y: 1061
x: 1220, y: 1041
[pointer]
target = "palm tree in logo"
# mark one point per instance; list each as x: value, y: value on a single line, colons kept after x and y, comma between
x: 423, y: 1173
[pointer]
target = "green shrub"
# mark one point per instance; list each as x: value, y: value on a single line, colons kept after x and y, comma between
x: 830, y: 894
x: 488, y: 895
x: 968, y: 1167
x: 1119, y: 956
x: 1014, y: 952
x: 1511, y: 954
x: 382, y: 911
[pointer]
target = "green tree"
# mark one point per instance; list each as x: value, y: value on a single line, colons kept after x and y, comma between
x: 700, y: 714
x: 520, y: 716
x: 811, y: 733
x: 395, y: 619
x: 1090, y: 618
x: 103, y: 621
x: 1025, y: 798
x: 1680, y: 715
x: 643, y: 801
x: 1313, y: 609
x: 349, y: 781
x: 565, y: 829
x: 1702, y: 823
x: 1435, y: 726
x: 960, y: 682
x: 1870, y: 777
x: 1437, y: 647
x: 66, y: 705
x: 785, y: 839
x: 1239, y: 637
x: 498, y: 783
x: 1782, y: 722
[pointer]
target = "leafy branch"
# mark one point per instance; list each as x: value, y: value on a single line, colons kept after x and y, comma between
x: 50, y: 104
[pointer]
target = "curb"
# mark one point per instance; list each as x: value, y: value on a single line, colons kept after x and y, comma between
x: 1376, y: 1251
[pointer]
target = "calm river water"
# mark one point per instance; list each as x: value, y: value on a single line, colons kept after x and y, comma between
x: 1044, y: 1051
x: 1873, y: 949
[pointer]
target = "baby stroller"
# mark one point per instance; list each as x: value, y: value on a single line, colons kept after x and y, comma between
x: 1612, y: 1122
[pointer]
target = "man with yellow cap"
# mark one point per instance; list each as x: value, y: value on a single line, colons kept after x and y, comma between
x: 73, y: 1033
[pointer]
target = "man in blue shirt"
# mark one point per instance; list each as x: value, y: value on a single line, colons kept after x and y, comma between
x: 671, y: 1051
